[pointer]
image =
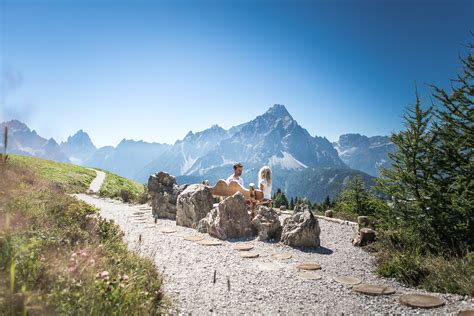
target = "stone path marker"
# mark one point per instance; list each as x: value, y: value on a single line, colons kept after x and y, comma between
x: 193, y: 238
x: 348, y: 280
x: 309, y: 266
x: 421, y: 301
x: 282, y: 256
x: 181, y: 235
x: 374, y: 290
x: 150, y: 226
x: 248, y: 254
x: 168, y: 230
x: 310, y: 276
x: 243, y: 247
x: 466, y: 312
x: 208, y: 242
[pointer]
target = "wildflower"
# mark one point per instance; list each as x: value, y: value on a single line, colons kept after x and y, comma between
x: 92, y: 261
x: 72, y: 269
x: 83, y: 253
x: 125, y: 278
x: 104, y: 275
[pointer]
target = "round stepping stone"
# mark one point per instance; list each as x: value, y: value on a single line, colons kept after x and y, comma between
x: 374, y: 290
x: 421, y: 301
x: 310, y: 276
x: 348, y: 280
x: 150, y: 226
x: 282, y: 256
x: 193, y: 238
x: 309, y: 266
x: 466, y: 312
x: 243, y: 247
x: 168, y: 230
x: 248, y: 254
x: 209, y: 242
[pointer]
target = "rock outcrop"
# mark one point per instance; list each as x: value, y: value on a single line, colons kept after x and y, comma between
x: 164, y: 194
x: 267, y: 224
x: 193, y: 204
x: 301, y: 230
x: 229, y: 219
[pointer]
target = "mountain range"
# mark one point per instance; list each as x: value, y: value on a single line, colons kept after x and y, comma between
x: 302, y: 164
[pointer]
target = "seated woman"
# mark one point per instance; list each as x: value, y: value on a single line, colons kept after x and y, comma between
x: 265, y: 183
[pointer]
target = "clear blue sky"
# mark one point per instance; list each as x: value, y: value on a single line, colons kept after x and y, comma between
x: 154, y: 70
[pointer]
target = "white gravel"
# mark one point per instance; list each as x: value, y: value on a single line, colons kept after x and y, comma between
x: 97, y: 182
x: 261, y: 285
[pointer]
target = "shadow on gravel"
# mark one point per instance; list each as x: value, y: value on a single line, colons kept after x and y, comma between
x: 320, y: 250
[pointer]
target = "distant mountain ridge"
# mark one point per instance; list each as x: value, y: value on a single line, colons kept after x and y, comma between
x: 364, y: 153
x: 24, y: 141
x: 303, y: 165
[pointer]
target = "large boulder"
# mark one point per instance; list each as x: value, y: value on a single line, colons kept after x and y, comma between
x: 193, y: 204
x: 164, y: 194
x: 301, y: 230
x: 267, y: 223
x: 229, y: 219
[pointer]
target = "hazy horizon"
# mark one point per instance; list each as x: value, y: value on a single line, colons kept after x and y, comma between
x: 153, y: 71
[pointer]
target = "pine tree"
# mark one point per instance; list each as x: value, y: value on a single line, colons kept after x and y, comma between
x: 326, y: 203
x: 292, y: 204
x: 407, y: 182
x: 357, y: 199
x: 454, y: 160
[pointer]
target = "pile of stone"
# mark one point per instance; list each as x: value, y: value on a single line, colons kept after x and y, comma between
x: 192, y: 206
x: 164, y: 194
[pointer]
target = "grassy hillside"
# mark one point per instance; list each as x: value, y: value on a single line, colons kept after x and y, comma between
x: 128, y: 190
x: 57, y: 256
x: 74, y: 179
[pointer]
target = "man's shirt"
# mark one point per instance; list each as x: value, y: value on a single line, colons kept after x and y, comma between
x: 232, y: 177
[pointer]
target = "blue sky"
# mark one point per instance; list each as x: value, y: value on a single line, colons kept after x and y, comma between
x: 154, y: 70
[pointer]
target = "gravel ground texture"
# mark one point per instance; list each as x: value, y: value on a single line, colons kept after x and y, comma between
x: 215, y: 279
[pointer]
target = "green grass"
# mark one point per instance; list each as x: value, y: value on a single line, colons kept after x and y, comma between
x: 128, y: 190
x: 404, y: 260
x: 55, y: 251
x: 74, y: 179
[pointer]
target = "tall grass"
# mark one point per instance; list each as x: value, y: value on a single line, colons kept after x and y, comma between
x: 58, y: 257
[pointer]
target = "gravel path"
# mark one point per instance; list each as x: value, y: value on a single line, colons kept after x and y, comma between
x: 97, y: 182
x: 263, y: 284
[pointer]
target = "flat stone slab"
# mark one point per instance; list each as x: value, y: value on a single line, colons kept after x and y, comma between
x: 282, y: 256
x: 243, y: 247
x: 348, y: 280
x: 248, y: 254
x: 421, y: 301
x: 168, y: 230
x: 466, y: 312
x: 193, y: 238
x: 374, y: 290
x: 310, y: 276
x: 309, y: 266
x: 208, y: 242
x: 150, y: 226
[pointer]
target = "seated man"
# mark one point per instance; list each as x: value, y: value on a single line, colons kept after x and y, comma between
x: 237, y: 175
